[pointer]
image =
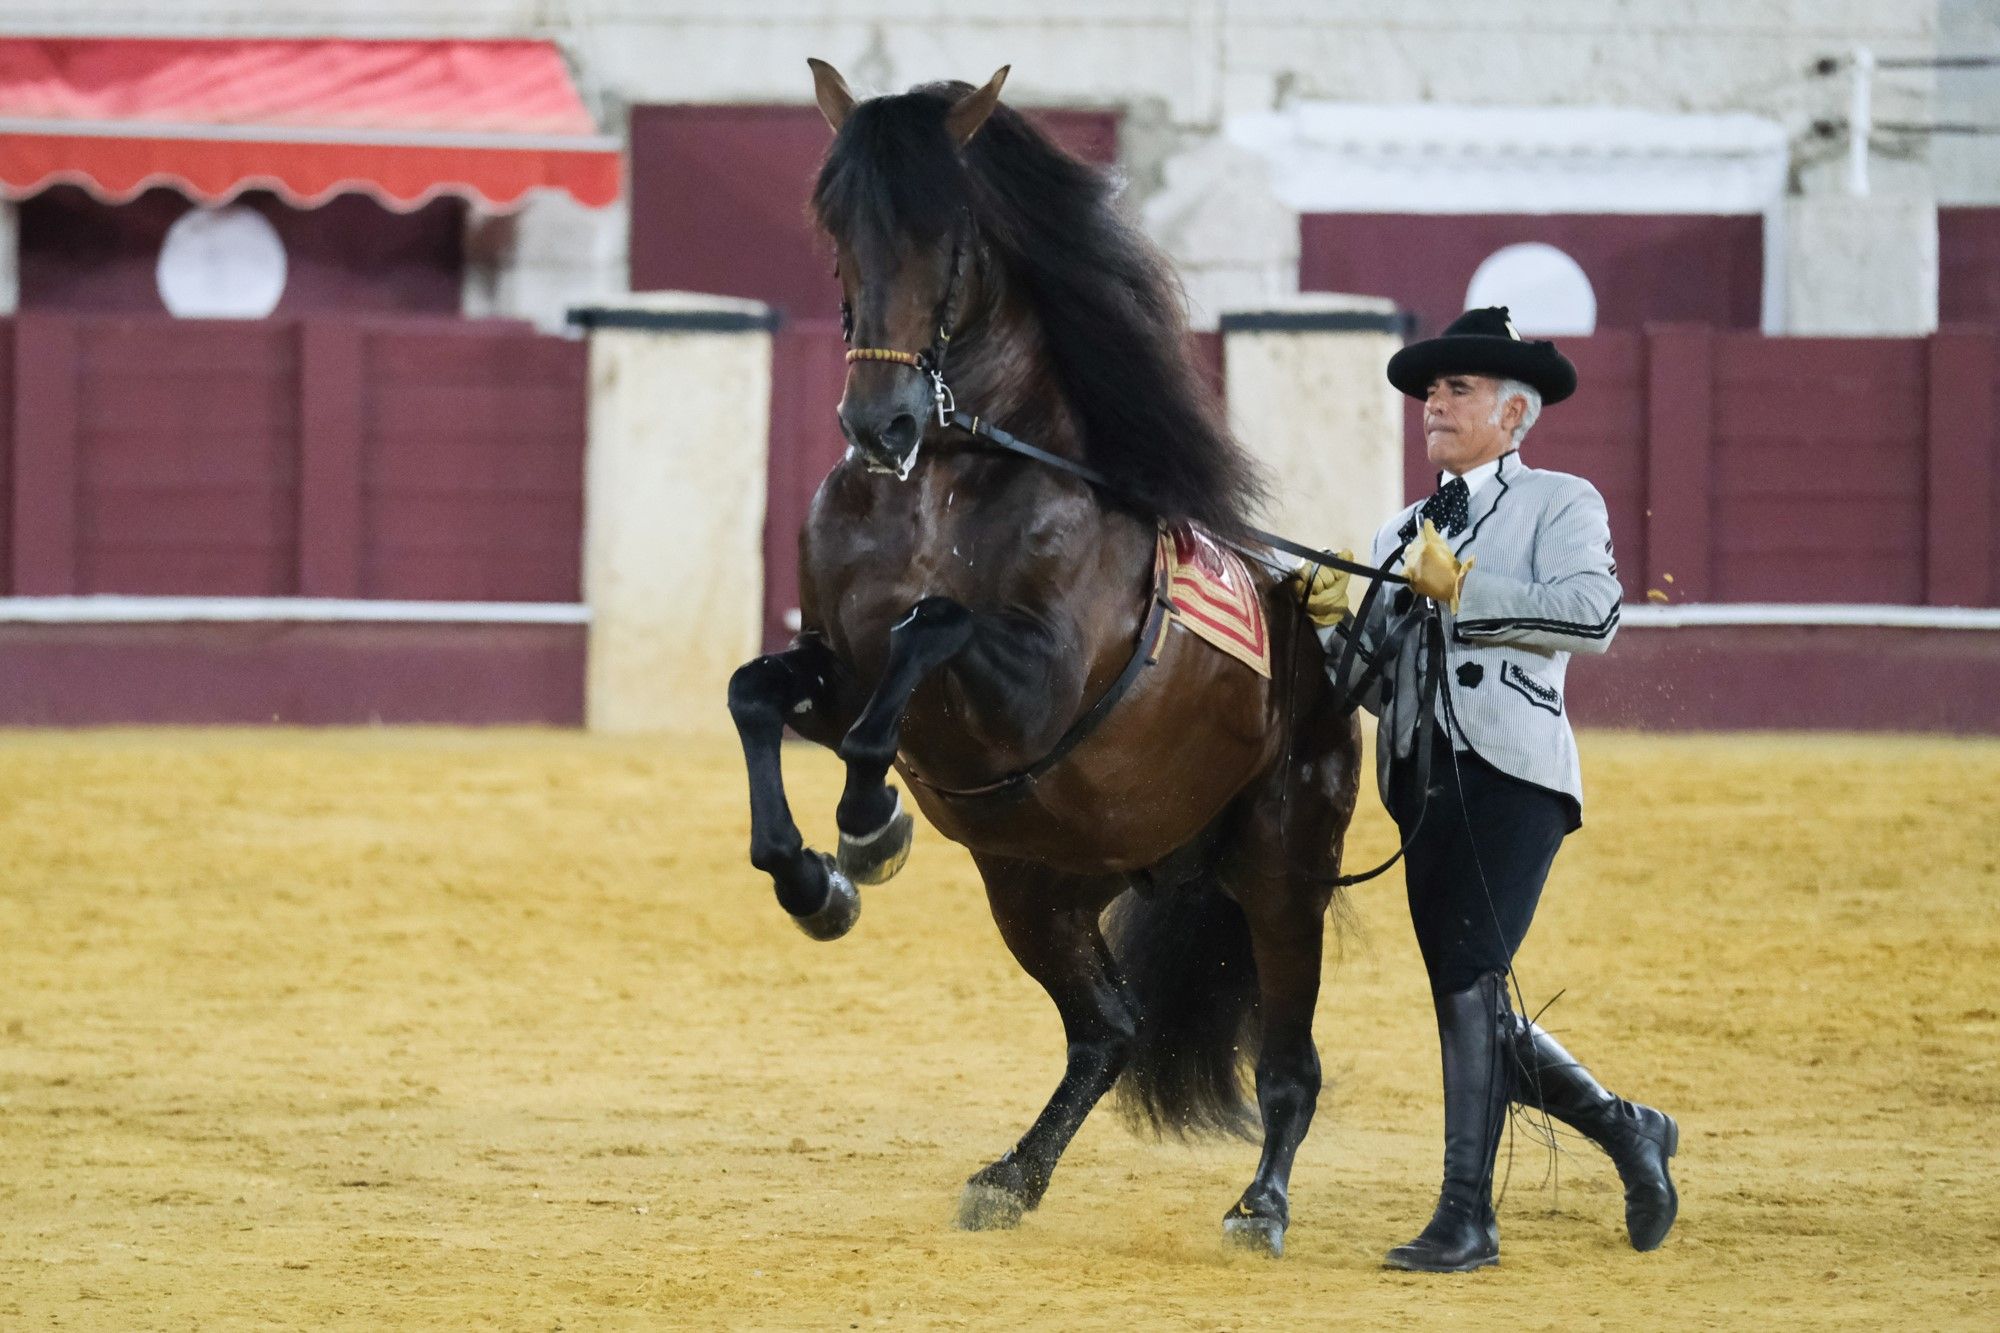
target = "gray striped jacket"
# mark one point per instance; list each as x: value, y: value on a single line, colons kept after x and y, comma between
x: 1545, y: 586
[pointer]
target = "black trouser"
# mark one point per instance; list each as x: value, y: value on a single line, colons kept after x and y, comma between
x: 1471, y: 912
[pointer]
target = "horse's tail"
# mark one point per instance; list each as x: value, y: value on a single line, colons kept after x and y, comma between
x: 1186, y: 956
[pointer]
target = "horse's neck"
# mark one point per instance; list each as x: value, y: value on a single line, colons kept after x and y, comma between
x: 1005, y: 376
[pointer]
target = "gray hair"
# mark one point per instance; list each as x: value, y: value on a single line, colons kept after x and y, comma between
x: 1528, y: 394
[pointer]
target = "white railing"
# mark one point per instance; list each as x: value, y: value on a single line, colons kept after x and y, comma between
x: 1801, y: 613
x: 118, y: 610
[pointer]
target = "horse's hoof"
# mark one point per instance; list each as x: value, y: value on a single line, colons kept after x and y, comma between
x: 836, y: 916
x: 1263, y: 1235
x: 989, y: 1208
x: 874, y: 858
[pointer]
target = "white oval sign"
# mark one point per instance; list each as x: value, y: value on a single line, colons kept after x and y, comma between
x: 221, y: 263
x: 1545, y: 291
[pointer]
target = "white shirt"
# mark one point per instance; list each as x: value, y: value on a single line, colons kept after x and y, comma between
x: 1479, y: 476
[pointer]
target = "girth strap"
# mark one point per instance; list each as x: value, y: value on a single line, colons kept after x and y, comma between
x: 1144, y: 654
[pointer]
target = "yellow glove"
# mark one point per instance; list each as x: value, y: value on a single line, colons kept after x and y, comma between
x: 1322, y: 589
x: 1434, y: 571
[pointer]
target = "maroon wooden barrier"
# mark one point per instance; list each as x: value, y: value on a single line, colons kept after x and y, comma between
x: 7, y: 401
x: 1993, y: 494
x: 1782, y: 677
x: 407, y: 459
x: 301, y: 674
x: 185, y: 457
x: 472, y: 465
x: 397, y: 459
x: 808, y: 369
x: 1969, y: 265
x: 43, y: 536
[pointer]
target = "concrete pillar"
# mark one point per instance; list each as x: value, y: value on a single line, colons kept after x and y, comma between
x: 673, y: 570
x: 1309, y: 397
x: 1860, y: 267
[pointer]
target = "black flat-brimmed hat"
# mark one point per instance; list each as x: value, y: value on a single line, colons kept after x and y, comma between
x: 1483, y: 342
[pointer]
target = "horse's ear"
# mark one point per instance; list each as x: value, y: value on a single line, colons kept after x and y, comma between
x: 831, y: 91
x: 970, y: 111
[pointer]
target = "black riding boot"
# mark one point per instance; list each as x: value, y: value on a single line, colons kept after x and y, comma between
x: 1463, y: 1233
x: 1638, y: 1139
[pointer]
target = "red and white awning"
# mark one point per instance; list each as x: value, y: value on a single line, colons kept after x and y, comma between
x: 403, y: 121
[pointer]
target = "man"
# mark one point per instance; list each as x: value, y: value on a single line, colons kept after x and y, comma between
x: 1519, y: 562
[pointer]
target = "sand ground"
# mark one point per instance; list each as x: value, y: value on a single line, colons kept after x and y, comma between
x: 500, y: 1030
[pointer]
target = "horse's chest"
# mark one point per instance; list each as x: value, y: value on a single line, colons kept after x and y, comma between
x: 934, y: 552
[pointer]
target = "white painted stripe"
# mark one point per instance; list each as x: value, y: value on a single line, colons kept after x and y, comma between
x: 142, y: 129
x: 183, y: 610
x: 1649, y: 616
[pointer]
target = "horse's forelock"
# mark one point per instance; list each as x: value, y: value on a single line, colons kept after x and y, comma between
x: 892, y: 172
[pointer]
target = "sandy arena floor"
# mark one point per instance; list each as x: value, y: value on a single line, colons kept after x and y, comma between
x: 452, y: 1030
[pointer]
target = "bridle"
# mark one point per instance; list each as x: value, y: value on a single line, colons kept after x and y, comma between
x: 930, y: 361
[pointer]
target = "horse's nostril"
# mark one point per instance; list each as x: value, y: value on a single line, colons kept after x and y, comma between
x: 900, y: 435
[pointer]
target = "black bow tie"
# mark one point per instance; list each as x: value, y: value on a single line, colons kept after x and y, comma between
x: 1448, y: 509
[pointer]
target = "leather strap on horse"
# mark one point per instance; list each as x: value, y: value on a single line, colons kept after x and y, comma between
x: 992, y: 434
x: 930, y: 361
x: 1433, y: 649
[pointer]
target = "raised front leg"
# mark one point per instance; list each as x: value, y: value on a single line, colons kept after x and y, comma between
x: 802, y: 683
x: 874, y: 829
x: 1286, y: 942
x: 1050, y: 924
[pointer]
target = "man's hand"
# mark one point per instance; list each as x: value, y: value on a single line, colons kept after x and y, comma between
x: 1434, y: 571
x: 1322, y: 589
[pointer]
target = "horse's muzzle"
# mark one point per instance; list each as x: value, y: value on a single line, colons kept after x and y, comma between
x: 891, y: 448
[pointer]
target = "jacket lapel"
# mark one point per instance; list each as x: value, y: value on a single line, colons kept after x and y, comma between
x: 1489, y: 499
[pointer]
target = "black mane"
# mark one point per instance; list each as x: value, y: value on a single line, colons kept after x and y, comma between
x: 1108, y: 305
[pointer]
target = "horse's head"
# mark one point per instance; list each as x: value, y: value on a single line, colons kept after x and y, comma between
x: 892, y: 198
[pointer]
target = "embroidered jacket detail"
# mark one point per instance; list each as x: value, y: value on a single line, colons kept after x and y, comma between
x: 1537, y: 692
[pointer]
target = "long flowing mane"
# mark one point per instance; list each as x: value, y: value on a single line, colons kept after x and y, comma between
x: 1108, y: 306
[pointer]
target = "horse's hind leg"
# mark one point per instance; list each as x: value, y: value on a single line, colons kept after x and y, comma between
x: 1285, y: 937
x: 874, y: 830
x: 803, y: 685
x: 1282, y: 876
x: 1050, y: 924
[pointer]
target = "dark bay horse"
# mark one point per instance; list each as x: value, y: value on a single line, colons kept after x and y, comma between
x: 984, y: 624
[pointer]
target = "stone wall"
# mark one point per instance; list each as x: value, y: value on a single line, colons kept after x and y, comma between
x: 1968, y: 166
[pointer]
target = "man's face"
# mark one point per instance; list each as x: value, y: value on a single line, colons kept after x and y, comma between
x: 1459, y: 430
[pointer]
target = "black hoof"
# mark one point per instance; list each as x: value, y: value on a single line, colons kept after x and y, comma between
x: 996, y: 1197
x: 874, y: 858
x: 1249, y: 1229
x: 989, y: 1208
x: 836, y: 916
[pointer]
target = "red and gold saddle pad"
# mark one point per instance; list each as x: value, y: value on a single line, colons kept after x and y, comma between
x: 1209, y: 591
